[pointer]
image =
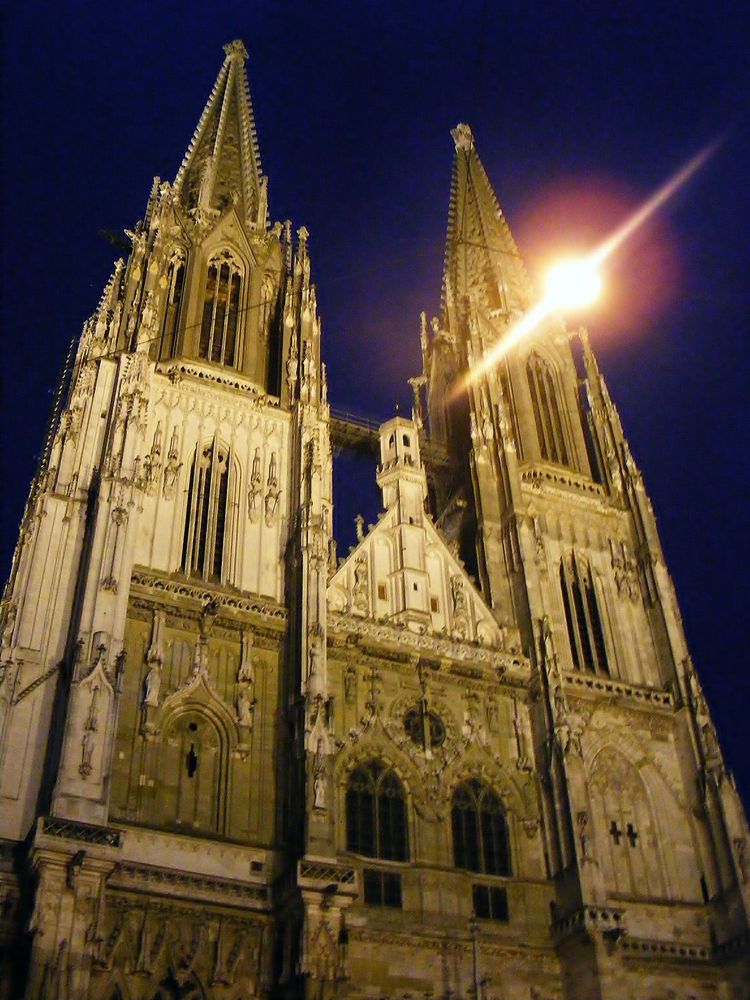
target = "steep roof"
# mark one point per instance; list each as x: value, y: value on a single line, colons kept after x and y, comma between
x: 222, y: 162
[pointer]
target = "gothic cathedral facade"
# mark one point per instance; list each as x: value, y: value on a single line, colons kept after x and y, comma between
x: 470, y: 759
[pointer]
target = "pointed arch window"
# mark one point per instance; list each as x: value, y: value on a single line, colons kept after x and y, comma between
x: 376, y: 813
x: 205, y: 548
x: 582, y: 617
x: 221, y: 306
x: 480, y: 830
x: 175, y: 286
x: 547, y: 412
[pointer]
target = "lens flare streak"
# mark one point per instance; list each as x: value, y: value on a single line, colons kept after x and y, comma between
x: 547, y: 305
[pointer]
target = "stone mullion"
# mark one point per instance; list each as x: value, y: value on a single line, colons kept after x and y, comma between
x: 211, y: 497
x: 191, y: 512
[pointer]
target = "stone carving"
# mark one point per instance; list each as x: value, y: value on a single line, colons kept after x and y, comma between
x: 582, y: 822
x: 92, y: 719
x: 152, y: 464
x: 155, y: 652
x: 361, y: 590
x: 87, y: 750
x: 625, y: 570
x: 245, y: 710
x: 291, y: 366
x: 9, y: 614
x: 254, y: 488
x: 460, y: 610
x: 272, y: 491
x: 319, y: 777
x: 172, y: 468
x: 523, y: 758
x: 151, y: 686
x: 246, y: 672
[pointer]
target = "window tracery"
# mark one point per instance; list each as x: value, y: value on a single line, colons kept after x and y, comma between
x: 205, y: 543
x: 582, y: 617
x: 175, y: 287
x: 376, y: 813
x: 221, y: 307
x: 547, y: 412
x: 480, y: 830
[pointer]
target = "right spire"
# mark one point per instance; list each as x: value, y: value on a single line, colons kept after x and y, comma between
x: 481, y: 256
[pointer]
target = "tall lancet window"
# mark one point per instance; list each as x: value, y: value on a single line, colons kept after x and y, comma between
x: 480, y: 831
x: 582, y: 617
x: 175, y: 284
x: 221, y: 308
x: 204, y: 548
x: 547, y: 413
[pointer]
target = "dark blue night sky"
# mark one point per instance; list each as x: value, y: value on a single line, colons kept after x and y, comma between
x: 579, y: 110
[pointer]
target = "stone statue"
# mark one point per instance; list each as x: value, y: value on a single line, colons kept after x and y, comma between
x: 152, y: 685
x: 245, y: 711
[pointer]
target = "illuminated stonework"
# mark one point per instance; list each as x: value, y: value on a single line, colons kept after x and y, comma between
x: 470, y: 759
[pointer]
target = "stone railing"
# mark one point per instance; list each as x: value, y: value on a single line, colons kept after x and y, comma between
x: 87, y: 833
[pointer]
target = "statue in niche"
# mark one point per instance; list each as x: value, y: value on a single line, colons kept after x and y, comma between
x: 460, y: 609
x: 87, y: 750
x: 361, y: 596
x: 319, y: 778
x: 172, y: 468
x: 254, y: 489
x: 92, y: 719
x: 152, y: 685
x: 272, y: 490
x: 582, y: 821
x: 245, y: 708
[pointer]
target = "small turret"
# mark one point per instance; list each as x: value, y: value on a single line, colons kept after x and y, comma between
x: 401, y: 475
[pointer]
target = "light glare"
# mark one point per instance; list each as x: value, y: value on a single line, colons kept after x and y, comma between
x: 573, y: 283
x: 538, y: 313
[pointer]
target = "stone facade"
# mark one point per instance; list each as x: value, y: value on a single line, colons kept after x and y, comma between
x: 472, y: 758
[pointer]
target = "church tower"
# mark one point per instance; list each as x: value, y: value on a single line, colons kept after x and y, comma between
x: 469, y: 758
x: 156, y: 599
x: 643, y: 827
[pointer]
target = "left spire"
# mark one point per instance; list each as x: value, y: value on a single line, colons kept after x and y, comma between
x: 222, y: 163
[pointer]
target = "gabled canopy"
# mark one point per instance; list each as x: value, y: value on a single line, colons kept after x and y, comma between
x: 222, y: 163
x: 481, y: 257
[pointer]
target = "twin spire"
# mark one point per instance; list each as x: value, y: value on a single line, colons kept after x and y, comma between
x: 222, y: 167
x: 481, y: 257
x: 222, y: 163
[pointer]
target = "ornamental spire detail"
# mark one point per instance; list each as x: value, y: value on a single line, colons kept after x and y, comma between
x: 222, y: 164
x: 481, y: 257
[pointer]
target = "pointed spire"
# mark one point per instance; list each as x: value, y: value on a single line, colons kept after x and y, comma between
x: 222, y: 163
x: 481, y: 257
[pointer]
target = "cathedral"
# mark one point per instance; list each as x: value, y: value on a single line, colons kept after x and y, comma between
x: 471, y: 758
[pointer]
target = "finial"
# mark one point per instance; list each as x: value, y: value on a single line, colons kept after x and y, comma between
x: 463, y: 137
x: 236, y: 49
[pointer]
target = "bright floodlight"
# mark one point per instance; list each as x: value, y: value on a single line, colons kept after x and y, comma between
x: 573, y: 283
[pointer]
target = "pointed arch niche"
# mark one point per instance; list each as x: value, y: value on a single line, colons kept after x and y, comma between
x: 208, y: 545
x: 626, y: 830
x: 583, y: 616
x: 220, y: 318
x: 175, y: 278
x: 191, y: 773
x: 547, y: 409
